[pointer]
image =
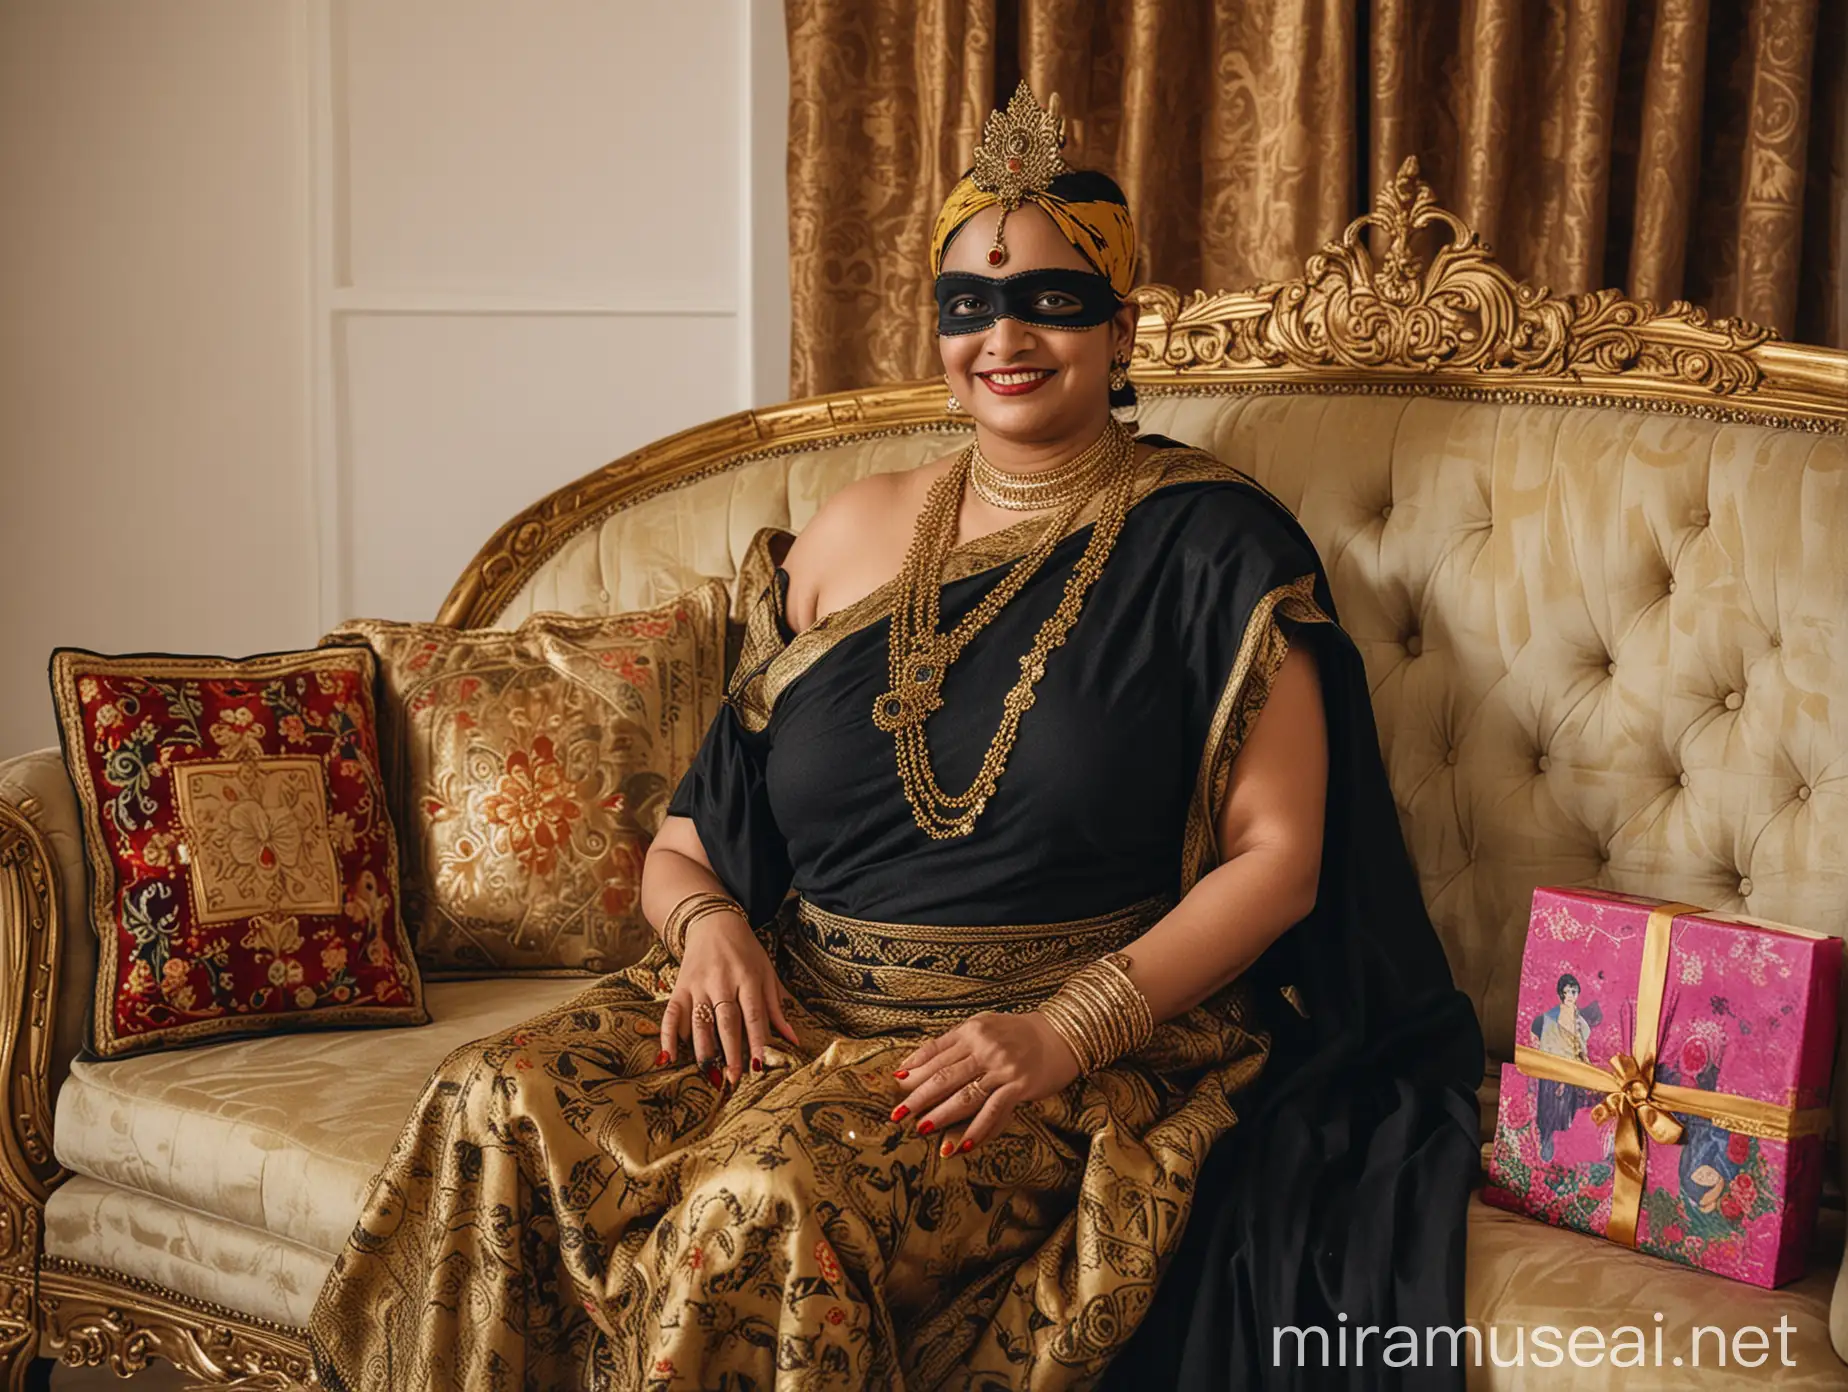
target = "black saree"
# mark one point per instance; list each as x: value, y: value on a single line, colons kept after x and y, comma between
x: 1340, y: 1198
x: 1297, y: 1147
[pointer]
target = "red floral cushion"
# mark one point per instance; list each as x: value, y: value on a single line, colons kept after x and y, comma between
x: 243, y: 867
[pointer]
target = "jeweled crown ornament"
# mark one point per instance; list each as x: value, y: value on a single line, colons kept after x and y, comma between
x: 1019, y: 154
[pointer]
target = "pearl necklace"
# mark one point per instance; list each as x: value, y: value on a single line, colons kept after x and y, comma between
x: 1043, y: 488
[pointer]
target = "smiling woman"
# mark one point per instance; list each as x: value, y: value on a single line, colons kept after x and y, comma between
x: 1105, y: 955
x: 1011, y: 335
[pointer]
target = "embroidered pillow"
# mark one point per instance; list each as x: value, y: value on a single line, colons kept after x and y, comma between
x: 243, y: 864
x: 529, y: 769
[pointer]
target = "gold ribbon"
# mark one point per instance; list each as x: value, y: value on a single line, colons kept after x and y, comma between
x: 1640, y: 1106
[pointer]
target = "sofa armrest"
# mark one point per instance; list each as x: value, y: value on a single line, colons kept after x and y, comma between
x: 47, y: 954
x: 40, y: 1025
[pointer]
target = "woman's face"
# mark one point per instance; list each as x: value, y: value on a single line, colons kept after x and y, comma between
x: 1569, y: 995
x: 1023, y: 382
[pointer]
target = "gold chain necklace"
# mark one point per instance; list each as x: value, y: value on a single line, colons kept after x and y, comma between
x: 918, y: 656
x: 1044, y: 488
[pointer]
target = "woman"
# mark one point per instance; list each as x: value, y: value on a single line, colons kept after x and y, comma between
x: 1564, y: 1030
x: 1096, y: 865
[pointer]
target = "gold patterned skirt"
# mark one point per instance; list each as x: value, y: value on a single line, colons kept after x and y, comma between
x: 559, y: 1212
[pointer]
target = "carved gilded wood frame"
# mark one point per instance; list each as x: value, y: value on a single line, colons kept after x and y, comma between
x: 1370, y: 313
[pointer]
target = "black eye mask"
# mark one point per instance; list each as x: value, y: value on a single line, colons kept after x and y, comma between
x: 971, y: 303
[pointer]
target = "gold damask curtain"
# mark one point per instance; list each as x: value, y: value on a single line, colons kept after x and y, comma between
x: 1693, y: 149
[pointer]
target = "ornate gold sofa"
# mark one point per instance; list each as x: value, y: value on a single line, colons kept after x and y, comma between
x: 1596, y: 556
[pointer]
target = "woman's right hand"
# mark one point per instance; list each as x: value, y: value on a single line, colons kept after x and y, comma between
x: 726, y: 971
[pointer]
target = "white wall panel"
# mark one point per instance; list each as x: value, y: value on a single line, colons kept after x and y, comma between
x: 154, y: 465
x: 587, y: 146
x: 303, y: 298
x: 455, y: 423
x: 540, y: 250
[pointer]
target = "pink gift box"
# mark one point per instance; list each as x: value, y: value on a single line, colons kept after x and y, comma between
x: 1747, y: 1009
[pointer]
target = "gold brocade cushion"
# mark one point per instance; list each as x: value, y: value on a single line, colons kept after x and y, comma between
x: 243, y: 870
x: 529, y: 768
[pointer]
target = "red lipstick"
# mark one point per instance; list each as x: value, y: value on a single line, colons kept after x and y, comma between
x: 1017, y: 388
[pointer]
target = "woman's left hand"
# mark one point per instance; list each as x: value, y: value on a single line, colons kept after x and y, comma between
x: 983, y: 1069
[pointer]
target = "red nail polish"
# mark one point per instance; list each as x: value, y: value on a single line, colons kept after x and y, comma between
x: 967, y: 1144
x: 926, y: 1127
x: 714, y: 1077
x: 661, y: 1058
x: 902, y: 1073
x: 900, y: 1112
x: 949, y: 1149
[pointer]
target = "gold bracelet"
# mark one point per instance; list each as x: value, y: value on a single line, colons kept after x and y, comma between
x: 690, y: 909
x: 703, y: 906
x: 680, y: 918
x: 1100, y: 1013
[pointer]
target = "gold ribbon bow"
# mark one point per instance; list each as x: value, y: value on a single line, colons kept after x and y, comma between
x: 1639, y: 1106
x: 1631, y: 1105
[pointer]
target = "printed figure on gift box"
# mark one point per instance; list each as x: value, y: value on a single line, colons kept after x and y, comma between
x: 1712, y: 1158
x: 1564, y: 1030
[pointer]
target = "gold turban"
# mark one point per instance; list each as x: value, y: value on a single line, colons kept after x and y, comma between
x: 1018, y: 162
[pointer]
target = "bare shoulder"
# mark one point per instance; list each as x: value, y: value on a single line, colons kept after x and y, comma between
x: 855, y: 540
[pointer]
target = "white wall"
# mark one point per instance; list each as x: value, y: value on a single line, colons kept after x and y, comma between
x: 303, y: 298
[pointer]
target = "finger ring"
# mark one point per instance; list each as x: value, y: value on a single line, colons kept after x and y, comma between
x: 974, y: 1090
x: 702, y: 1013
x: 722, y: 1004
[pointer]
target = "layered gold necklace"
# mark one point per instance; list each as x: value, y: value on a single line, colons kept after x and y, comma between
x: 1046, y: 488
x: 918, y: 656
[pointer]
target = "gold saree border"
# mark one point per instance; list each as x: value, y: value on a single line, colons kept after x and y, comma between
x: 774, y: 666
x: 1260, y: 656
x: 858, y: 969
x: 759, y: 604
x: 959, y: 934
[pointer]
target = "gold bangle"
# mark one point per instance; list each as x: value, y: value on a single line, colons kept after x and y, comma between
x: 683, y: 915
x: 694, y: 907
x: 1100, y: 1013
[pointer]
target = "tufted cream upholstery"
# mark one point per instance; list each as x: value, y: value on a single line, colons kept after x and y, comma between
x: 647, y: 554
x: 1607, y: 647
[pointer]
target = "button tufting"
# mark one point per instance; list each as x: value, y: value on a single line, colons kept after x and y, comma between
x: 1386, y: 513
x: 1777, y: 640
x: 1803, y: 793
x: 1684, y: 780
x: 1611, y: 667
x: 604, y: 595
x: 1414, y: 644
x: 1450, y: 756
x: 1544, y: 763
x: 1734, y: 700
x: 1745, y: 886
x: 1671, y: 586
x: 1700, y: 517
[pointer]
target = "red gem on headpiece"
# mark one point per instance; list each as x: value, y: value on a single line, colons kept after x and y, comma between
x: 994, y: 256
x: 1013, y: 166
